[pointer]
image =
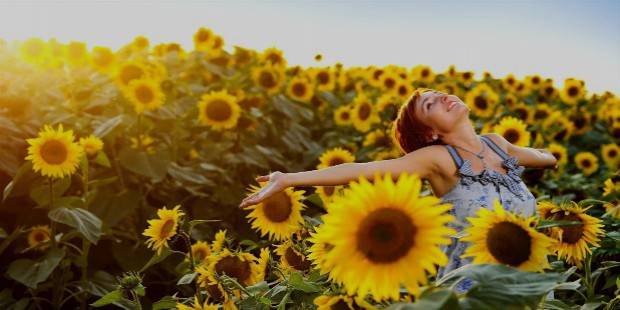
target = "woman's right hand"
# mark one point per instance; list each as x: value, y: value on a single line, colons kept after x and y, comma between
x: 276, y: 184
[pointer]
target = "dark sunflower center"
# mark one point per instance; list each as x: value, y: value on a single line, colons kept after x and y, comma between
x: 561, y: 134
x: 616, y: 132
x: 382, y: 141
x: 385, y: 235
x: 572, y: 91
x: 480, y: 103
x: 54, y: 152
x: 389, y: 83
x: 522, y: 113
x: 278, y: 207
x: 377, y: 74
x: 219, y: 110
x: 39, y: 236
x: 102, y: 59
x: 267, y: 80
x: 580, y: 122
x: 512, y: 135
x: 329, y: 190
x: 364, y: 111
x: 425, y: 73
x: 509, y: 243
x: 274, y: 58
x: 323, y: 77
x: 345, y: 116
x: 570, y: 234
x: 541, y: 114
x: 130, y: 73
x: 200, y: 254
x: 144, y: 94
x: 466, y: 75
x: 535, y: 80
x: 586, y: 163
x: 299, y: 89
x: 297, y: 261
x: 336, y: 161
x: 548, y: 90
x: 234, y: 267
x: 510, y: 81
x: 166, y: 229
x: 214, y: 292
x: 402, y: 90
x: 612, y: 154
x: 202, y: 36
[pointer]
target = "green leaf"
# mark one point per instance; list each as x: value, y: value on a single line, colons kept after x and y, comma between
x: 167, y: 302
x: 114, y: 296
x: 107, y: 126
x: 85, y: 222
x: 111, y: 207
x: 31, y: 273
x: 16, y: 233
x: 94, y: 183
x: 187, y: 279
x: 586, y: 202
x: 27, y: 166
x: 255, y: 303
x: 8, y: 302
x: 547, y: 224
x: 165, y: 252
x: 556, y: 304
x: 297, y: 282
x: 102, y: 159
x: 41, y: 194
x: 259, y: 287
x: 614, y: 235
x: 188, y: 174
x: 153, y: 165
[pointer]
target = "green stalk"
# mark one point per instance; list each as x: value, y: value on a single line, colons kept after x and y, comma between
x: 56, y: 289
x: 193, y: 266
x: 85, y: 244
x: 136, y: 300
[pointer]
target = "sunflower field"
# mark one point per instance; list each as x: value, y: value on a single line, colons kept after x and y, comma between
x: 121, y: 172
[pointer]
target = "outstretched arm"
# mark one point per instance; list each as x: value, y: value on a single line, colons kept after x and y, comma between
x: 528, y: 157
x: 421, y: 162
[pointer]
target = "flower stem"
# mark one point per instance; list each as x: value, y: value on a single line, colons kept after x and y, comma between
x: 192, y: 264
x: 56, y: 288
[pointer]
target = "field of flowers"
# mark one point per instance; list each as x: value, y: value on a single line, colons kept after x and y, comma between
x: 122, y: 172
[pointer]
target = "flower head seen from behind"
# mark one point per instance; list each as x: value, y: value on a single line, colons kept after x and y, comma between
x: 54, y: 152
x: 163, y: 229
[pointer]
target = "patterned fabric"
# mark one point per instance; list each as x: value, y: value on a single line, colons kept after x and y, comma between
x: 473, y: 191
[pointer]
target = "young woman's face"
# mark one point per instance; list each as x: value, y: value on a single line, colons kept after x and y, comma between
x: 441, y: 111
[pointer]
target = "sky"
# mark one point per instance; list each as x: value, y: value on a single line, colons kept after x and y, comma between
x: 555, y: 39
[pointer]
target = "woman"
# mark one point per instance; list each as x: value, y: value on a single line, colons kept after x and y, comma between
x: 464, y: 169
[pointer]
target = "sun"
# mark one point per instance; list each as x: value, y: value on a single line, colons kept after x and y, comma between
x: 383, y: 235
x: 54, y: 152
x: 502, y: 237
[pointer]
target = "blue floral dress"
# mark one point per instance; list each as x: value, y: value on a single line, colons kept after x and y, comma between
x: 473, y: 191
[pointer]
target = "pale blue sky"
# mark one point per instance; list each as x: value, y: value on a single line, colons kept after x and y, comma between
x: 556, y: 39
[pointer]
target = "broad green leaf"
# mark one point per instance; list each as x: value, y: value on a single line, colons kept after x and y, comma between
x: 114, y: 296
x: 297, y: 282
x: 27, y: 166
x: 167, y: 302
x: 556, y: 304
x: 150, y: 165
x: 31, y: 273
x: 95, y: 183
x: 102, y: 159
x: 41, y: 194
x: 587, y: 202
x: 188, y: 174
x: 107, y: 126
x: 255, y: 303
x: 85, y: 222
x: 187, y: 279
x: 16, y: 233
x: 165, y: 252
x: 111, y: 207
x: 259, y: 287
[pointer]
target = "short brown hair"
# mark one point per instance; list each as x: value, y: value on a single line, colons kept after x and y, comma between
x: 408, y: 132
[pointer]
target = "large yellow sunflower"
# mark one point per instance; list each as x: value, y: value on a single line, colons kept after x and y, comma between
x: 587, y: 162
x: 279, y: 215
x: 540, y: 114
x: 502, y: 237
x: 573, y: 241
x: 269, y: 76
x: 325, y: 78
x: 214, y: 289
x: 523, y: 111
x: 573, y: 91
x: 163, y: 229
x: 219, y: 110
x: 611, y: 155
x: 513, y: 130
x: 384, y: 235
x: 300, y: 89
x: 342, y: 115
x: 54, y: 153
x: 145, y: 94
x: 91, y: 144
x: 335, y: 156
x: 38, y: 235
x: 364, y: 113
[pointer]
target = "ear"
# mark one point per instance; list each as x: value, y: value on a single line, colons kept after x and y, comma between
x: 428, y: 139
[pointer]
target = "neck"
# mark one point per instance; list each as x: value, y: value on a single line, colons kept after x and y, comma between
x: 465, y: 137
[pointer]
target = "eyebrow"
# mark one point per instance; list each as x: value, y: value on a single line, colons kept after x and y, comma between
x: 425, y: 100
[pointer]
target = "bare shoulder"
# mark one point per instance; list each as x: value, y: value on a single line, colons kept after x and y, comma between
x: 434, y: 157
x: 498, y: 139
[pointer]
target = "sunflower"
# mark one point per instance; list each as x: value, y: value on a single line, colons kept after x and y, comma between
x: 319, y: 248
x: 129, y: 71
x: 163, y: 229
x: 215, y: 289
x: 403, y: 89
x: 573, y: 241
x: 509, y: 82
x: 197, y: 305
x: 327, y: 193
x: 558, y: 127
x: 145, y: 144
x: 263, y: 264
x: 273, y: 56
x: 389, y: 103
x: 611, y: 155
x: 389, y: 81
x: 219, y: 110
x: 363, y: 113
x: 145, y: 94
x: 523, y: 111
x: 614, y: 208
x: 533, y: 81
x: 140, y: 43
x: 342, y: 116
x: 39, y: 234
x: 279, y: 215
x: 91, y: 144
x: 201, y: 251
x: 202, y: 38
x: 377, y: 138
x: 389, y: 154
x: 424, y: 74
x: 239, y: 265
x: 610, y: 187
x: 510, y: 100
x: 291, y: 259
x: 466, y: 77
x: 76, y: 53
x: 54, y: 152
x: 339, y: 301
x: 300, y: 89
x: 482, y: 100
x: 102, y: 59
x: 573, y: 91
x: 269, y: 76
x: 586, y: 162
x: 335, y: 156
x: 220, y: 241
x: 540, y: 114
x: 325, y: 79
x: 513, y: 130
x: 502, y: 237
x: 34, y: 50
x: 384, y: 235
x: 559, y: 152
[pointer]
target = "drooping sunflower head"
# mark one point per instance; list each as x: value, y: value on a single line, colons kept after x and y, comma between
x: 587, y: 162
x: 263, y: 264
x: 611, y: 187
x: 219, y: 110
x: 39, y: 234
x: 335, y: 156
x: 54, y: 152
x: 279, y: 215
x: 163, y: 229
x: 514, y: 131
x: 572, y: 241
x: 292, y: 259
x: 502, y: 237
x: 240, y: 265
x: 91, y: 144
x: 383, y: 235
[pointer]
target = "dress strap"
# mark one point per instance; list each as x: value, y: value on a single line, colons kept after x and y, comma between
x: 455, y: 156
x: 495, y: 148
